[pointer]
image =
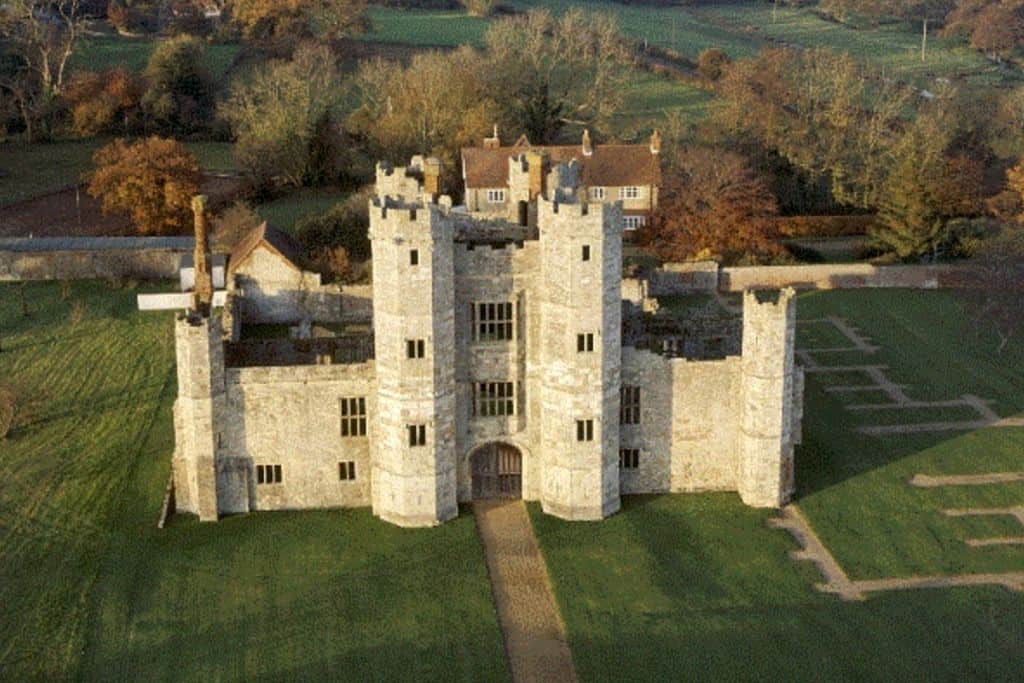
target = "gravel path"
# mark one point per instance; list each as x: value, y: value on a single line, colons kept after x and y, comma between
x: 533, y: 629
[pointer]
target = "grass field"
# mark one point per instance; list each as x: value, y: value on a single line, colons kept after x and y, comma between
x: 109, y: 51
x: 424, y: 28
x: 91, y: 590
x: 697, y: 587
x: 30, y: 170
x: 285, y: 211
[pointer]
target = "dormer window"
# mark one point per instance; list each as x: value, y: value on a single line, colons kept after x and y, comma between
x: 495, y: 196
x: 629, y: 192
x: 597, y: 193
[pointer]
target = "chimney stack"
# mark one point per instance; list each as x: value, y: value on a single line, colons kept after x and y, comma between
x: 202, y: 293
x: 493, y: 142
x: 656, y: 142
x: 588, y: 148
x: 536, y: 163
x: 432, y: 177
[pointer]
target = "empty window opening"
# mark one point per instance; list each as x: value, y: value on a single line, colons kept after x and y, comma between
x: 347, y: 471
x: 629, y: 458
x: 584, y: 342
x: 492, y: 321
x: 268, y: 474
x: 353, y: 416
x: 584, y: 430
x: 414, y: 257
x: 629, y: 405
x: 417, y: 435
x: 586, y: 252
x: 492, y: 399
x: 415, y: 348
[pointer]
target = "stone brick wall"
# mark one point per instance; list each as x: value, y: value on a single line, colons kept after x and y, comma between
x: 141, y: 263
x: 270, y: 290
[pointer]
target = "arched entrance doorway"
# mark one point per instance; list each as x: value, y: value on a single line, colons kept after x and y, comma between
x: 497, y: 471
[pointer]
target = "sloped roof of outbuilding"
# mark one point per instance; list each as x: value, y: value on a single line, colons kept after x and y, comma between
x: 277, y: 241
x: 608, y: 166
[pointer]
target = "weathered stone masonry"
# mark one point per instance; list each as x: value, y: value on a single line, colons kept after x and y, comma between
x: 460, y: 306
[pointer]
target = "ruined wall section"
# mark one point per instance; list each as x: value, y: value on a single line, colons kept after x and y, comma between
x: 413, y: 485
x: 291, y: 416
x: 271, y: 290
x: 580, y: 295
x: 770, y: 384
x: 199, y: 414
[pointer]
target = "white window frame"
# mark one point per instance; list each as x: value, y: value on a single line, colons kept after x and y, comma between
x: 629, y: 192
x: 495, y: 196
x: 633, y: 222
x: 597, y: 193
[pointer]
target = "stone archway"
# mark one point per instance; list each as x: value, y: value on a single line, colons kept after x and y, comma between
x: 497, y: 471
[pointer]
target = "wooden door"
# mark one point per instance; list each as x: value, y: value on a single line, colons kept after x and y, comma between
x: 497, y: 472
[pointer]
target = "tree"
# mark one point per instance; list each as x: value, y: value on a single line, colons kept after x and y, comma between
x: 233, y: 224
x: 282, y: 119
x: 345, y: 225
x: 41, y: 36
x: 289, y: 20
x: 154, y: 179
x: 999, y: 29
x: 714, y: 205
x: 551, y: 71
x: 179, y: 98
x: 436, y: 105
x: 479, y: 8
x: 711, y: 63
x: 995, y: 287
x: 103, y: 102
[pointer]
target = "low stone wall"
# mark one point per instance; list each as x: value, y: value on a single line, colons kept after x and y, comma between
x: 75, y: 258
x: 680, y: 278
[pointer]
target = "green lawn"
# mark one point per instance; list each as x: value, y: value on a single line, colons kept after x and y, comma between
x: 30, y: 170
x: 285, y: 211
x: 91, y: 590
x: 853, y: 487
x: 690, y: 587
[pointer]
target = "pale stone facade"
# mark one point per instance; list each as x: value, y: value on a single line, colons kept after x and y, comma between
x: 486, y: 335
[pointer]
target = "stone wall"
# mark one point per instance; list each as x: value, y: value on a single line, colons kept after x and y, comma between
x: 291, y: 416
x: 86, y: 258
x: 272, y: 290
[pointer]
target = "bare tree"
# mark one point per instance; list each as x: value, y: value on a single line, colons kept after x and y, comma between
x: 995, y: 285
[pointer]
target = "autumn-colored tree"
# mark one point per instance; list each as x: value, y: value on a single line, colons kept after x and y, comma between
x: 299, y: 19
x: 102, y: 102
x: 282, y: 118
x: 715, y: 206
x: 233, y: 224
x: 821, y: 111
x: 994, y: 290
x: 711, y: 63
x: 479, y: 8
x: 999, y: 29
x: 553, y: 71
x: 437, y: 104
x: 153, y: 179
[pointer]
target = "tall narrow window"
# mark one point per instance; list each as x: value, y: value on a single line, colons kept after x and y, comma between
x: 268, y: 474
x: 417, y: 435
x: 597, y: 193
x: 347, y: 471
x: 584, y: 342
x: 584, y: 430
x: 415, y: 348
x: 414, y: 257
x: 492, y: 399
x: 629, y: 405
x: 492, y: 321
x: 586, y: 252
x: 353, y: 416
x: 629, y: 458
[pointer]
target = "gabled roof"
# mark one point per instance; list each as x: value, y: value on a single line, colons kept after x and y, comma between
x: 277, y: 241
x: 608, y: 166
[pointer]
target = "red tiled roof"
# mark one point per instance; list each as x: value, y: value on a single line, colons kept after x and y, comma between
x: 278, y: 241
x: 608, y: 166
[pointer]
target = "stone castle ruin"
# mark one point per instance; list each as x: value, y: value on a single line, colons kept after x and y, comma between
x: 493, y: 364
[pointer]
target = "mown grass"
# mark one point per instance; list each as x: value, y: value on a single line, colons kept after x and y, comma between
x: 854, y: 487
x: 285, y: 211
x: 32, y: 170
x: 91, y: 590
x: 108, y: 51
x: 697, y: 587
x: 424, y: 28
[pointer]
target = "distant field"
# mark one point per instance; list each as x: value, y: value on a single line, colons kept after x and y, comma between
x: 31, y: 170
x: 109, y: 51
x: 285, y: 211
x: 91, y: 590
x: 650, y: 97
x: 425, y: 28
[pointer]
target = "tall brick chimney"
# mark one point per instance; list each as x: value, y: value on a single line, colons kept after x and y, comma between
x: 588, y: 147
x: 432, y: 177
x: 536, y: 162
x: 202, y: 294
x: 656, y: 142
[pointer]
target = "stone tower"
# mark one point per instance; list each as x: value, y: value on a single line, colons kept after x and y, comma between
x: 413, y: 478
x: 765, y: 469
x: 581, y: 356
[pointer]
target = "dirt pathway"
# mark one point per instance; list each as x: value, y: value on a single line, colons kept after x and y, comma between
x: 926, y: 481
x: 533, y: 629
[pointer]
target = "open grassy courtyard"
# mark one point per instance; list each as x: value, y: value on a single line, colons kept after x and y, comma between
x: 90, y: 589
x: 699, y: 587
